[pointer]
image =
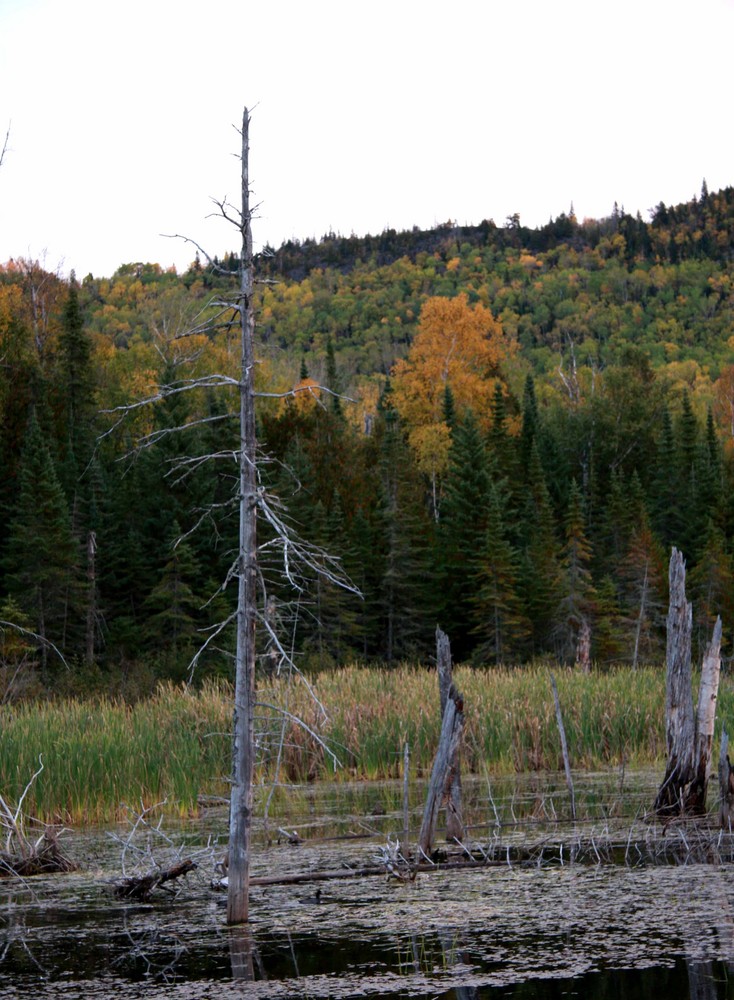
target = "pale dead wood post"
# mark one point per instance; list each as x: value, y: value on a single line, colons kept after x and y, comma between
x: 726, y: 783
x: 243, y: 733
x: 705, y: 721
x: 680, y: 732
x: 454, y: 808
x: 564, y: 747
x: 91, y: 623
x: 405, y: 846
x: 442, y: 774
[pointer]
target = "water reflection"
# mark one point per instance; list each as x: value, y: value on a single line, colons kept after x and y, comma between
x: 584, y: 923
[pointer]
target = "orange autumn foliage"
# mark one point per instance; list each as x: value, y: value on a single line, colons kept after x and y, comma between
x: 458, y: 345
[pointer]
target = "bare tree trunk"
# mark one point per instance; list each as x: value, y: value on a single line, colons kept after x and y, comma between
x: 441, y: 777
x: 726, y: 784
x: 680, y: 732
x: 640, y: 620
x: 243, y: 736
x: 564, y: 746
x: 405, y: 846
x: 583, y: 649
x: 91, y: 624
x: 454, y: 808
x: 705, y: 720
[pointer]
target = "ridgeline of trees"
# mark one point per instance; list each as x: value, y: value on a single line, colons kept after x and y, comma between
x: 534, y: 417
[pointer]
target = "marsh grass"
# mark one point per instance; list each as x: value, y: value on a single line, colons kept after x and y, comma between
x: 101, y: 756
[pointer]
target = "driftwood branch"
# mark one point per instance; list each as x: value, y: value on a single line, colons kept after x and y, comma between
x: 142, y: 887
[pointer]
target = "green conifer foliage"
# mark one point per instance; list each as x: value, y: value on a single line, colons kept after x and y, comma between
x: 667, y: 509
x: 576, y: 586
x: 41, y: 561
x: 540, y: 569
x: 711, y: 585
x: 173, y: 609
x: 501, y: 622
x: 408, y: 590
x: 461, y: 535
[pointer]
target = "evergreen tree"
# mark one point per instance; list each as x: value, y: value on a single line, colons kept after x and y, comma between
x: 711, y: 586
x: 408, y: 593
x: 172, y: 605
x: 577, y: 590
x: 332, y: 379
x: 608, y: 641
x: 500, y: 619
x: 41, y: 562
x: 667, y: 510
x: 540, y: 558
x: 530, y: 420
x: 462, y: 527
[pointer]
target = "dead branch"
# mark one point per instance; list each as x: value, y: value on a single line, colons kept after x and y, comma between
x: 5, y: 145
x: 37, y: 637
x: 143, y: 887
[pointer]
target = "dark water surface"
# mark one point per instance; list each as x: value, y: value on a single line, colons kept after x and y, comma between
x: 617, y: 924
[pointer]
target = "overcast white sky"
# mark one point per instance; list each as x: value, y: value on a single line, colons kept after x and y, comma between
x: 368, y: 116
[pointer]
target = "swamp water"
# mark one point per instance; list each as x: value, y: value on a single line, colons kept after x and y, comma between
x: 600, y: 909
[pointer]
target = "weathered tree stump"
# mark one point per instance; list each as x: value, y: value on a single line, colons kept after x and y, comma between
x: 442, y: 775
x: 689, y: 737
x: 454, y: 808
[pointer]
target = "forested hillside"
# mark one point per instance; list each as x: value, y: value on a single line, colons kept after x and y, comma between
x: 520, y: 425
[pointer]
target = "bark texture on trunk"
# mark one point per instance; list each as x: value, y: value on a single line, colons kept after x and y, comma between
x: 243, y: 732
x: 454, y: 807
x: 689, y: 737
x: 680, y: 724
x: 708, y: 692
x: 443, y: 768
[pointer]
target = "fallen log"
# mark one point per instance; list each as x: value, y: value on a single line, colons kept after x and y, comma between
x: 142, y: 887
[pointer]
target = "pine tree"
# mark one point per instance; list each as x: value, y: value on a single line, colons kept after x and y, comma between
x: 540, y: 569
x: 409, y: 595
x: 41, y: 562
x: 577, y: 591
x: 172, y: 605
x: 462, y: 527
x: 667, y: 510
x: 499, y: 616
x: 711, y: 585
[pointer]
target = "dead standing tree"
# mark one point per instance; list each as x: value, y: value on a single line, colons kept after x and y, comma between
x: 243, y: 727
x: 454, y: 811
x: 689, y: 737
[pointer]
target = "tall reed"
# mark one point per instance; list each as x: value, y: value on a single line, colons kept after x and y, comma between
x: 101, y: 755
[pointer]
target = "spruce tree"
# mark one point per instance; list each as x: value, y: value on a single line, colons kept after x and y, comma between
x: 540, y: 569
x: 173, y: 609
x: 500, y: 621
x: 462, y: 527
x: 577, y: 591
x: 41, y: 561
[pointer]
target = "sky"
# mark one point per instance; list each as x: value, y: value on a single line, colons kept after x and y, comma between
x: 365, y: 116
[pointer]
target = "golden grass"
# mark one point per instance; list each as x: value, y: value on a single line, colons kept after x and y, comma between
x: 102, y: 755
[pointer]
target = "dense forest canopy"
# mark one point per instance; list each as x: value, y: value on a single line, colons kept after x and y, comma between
x: 520, y: 425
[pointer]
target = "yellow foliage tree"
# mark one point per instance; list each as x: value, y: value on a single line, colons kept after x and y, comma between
x: 457, y: 345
